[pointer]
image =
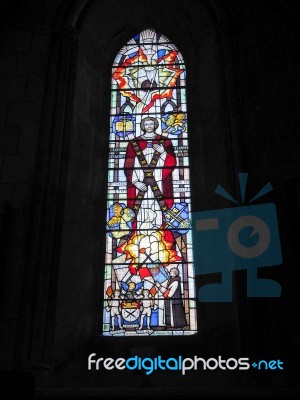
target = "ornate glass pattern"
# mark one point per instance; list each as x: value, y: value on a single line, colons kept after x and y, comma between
x: 149, y: 279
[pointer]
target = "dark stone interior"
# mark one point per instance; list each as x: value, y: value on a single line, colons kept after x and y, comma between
x: 243, y: 100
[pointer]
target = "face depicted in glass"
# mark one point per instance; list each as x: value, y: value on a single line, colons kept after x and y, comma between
x: 149, y: 126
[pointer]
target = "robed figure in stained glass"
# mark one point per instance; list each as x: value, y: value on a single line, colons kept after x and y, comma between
x: 149, y: 163
x: 174, y: 311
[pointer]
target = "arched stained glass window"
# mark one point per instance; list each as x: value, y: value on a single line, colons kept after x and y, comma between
x: 149, y: 284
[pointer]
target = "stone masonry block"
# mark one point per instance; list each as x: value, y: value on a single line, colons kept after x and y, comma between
x: 35, y: 62
x: 7, y: 342
x: 16, y: 41
x: 8, y: 64
x: 35, y: 88
x: 12, y: 88
x: 17, y: 169
x: 25, y: 114
x: 9, y: 141
x: 7, y: 192
x: 3, y: 113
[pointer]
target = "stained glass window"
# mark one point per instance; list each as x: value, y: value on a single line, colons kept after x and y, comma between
x: 149, y: 284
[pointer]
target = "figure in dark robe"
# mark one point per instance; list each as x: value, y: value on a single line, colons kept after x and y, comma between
x: 174, y: 310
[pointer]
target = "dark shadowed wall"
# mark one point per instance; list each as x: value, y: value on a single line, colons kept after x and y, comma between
x: 243, y: 96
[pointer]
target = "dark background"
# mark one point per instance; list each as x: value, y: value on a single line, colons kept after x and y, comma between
x: 243, y: 102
